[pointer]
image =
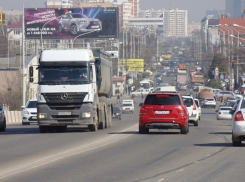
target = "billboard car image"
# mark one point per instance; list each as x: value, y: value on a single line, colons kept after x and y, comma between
x: 71, y: 22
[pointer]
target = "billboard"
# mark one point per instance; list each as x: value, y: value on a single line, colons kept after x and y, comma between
x: 133, y: 64
x: 69, y: 23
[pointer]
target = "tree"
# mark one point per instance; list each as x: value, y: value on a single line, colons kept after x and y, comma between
x: 219, y: 62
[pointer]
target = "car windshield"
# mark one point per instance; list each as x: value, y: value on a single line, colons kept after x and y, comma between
x: 188, y: 101
x: 129, y: 105
x: 63, y: 74
x: 31, y: 104
x: 116, y: 109
x: 225, y: 109
x: 78, y: 16
x: 162, y: 100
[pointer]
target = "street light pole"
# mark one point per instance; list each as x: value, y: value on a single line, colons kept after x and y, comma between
x: 82, y: 35
x: 23, y: 57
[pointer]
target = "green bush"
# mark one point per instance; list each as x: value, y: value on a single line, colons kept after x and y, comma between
x: 215, y: 83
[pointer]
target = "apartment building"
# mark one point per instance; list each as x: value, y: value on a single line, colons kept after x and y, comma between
x: 175, y: 22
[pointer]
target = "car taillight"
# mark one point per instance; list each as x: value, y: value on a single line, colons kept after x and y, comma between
x: 194, y: 107
x: 239, y: 116
x: 181, y: 111
x: 219, y: 112
x: 142, y: 110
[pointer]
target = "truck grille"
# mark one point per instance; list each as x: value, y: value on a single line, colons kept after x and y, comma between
x: 64, y: 101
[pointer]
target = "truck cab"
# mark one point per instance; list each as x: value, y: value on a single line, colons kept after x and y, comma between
x: 70, y: 89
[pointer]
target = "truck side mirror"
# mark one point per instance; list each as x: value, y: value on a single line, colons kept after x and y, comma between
x: 98, y: 73
x: 31, y: 74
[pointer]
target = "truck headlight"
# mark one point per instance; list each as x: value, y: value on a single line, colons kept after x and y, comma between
x: 86, y: 114
x: 42, y: 115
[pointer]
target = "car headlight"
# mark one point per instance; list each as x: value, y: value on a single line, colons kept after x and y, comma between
x: 25, y: 112
x: 42, y: 115
x: 86, y: 114
x: 117, y: 114
x: 123, y: 108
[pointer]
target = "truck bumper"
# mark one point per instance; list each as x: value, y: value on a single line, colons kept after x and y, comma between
x: 65, y: 117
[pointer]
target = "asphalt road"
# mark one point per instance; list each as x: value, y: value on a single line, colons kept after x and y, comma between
x: 120, y: 154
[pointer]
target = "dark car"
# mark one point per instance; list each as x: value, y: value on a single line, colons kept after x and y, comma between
x: 78, y: 22
x: 164, y: 110
x: 2, y: 119
x: 117, y: 113
x: 170, y: 73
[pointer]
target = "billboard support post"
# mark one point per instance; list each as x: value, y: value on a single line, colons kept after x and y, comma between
x: 23, y: 55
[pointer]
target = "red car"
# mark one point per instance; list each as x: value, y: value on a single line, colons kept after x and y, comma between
x: 163, y: 110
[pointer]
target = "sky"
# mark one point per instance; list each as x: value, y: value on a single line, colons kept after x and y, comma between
x: 196, y: 8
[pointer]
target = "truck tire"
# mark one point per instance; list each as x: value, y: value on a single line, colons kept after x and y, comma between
x: 101, y: 117
x: 60, y: 128
x: 3, y: 128
x: 92, y: 127
x: 42, y: 129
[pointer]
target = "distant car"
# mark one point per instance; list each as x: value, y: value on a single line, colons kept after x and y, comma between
x: 230, y: 100
x: 117, y: 113
x: 127, y: 108
x: 78, y: 22
x: 182, y: 86
x: 196, y: 87
x: 224, y: 113
x: 163, y: 110
x: 140, y: 91
x: 238, y: 124
x: 170, y: 74
x: 226, y: 94
x: 215, y: 91
x: 209, y: 102
x: 192, y: 109
x: 2, y: 119
x: 163, y: 84
x: 29, y: 112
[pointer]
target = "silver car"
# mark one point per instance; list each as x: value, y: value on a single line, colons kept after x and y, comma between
x: 77, y: 22
x: 238, y: 124
x: 224, y: 113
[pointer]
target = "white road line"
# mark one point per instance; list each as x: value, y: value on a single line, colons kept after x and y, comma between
x: 160, y: 180
x: 63, y: 155
x: 180, y: 170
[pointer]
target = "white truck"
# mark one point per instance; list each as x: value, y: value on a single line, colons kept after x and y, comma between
x: 73, y: 89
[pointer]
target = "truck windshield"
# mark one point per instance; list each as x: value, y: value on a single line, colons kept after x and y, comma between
x: 62, y: 75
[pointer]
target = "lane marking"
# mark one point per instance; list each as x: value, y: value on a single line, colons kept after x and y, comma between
x: 161, y: 180
x: 65, y: 154
x: 180, y: 170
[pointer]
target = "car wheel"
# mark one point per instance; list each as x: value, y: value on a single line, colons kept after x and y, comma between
x: 120, y: 117
x: 73, y: 29
x: 196, y: 123
x: 3, y: 128
x: 143, y: 130
x: 60, y: 28
x: 43, y: 129
x: 199, y: 118
x: 236, y: 142
x: 185, y: 129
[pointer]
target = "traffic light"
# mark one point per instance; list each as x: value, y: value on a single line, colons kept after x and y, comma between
x: 233, y: 64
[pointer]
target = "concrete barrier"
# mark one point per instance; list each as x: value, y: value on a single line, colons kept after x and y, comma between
x: 13, y: 117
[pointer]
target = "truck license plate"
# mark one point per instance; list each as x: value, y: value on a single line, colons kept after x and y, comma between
x: 161, y: 112
x: 64, y: 113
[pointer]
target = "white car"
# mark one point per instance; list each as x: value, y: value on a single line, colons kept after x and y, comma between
x: 224, y: 113
x: 192, y: 109
x: 127, y: 108
x: 238, y: 124
x: 209, y: 102
x: 140, y: 91
x: 29, y: 112
x: 198, y: 107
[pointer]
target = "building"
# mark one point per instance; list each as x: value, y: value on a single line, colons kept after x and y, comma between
x: 150, y: 13
x: 59, y: 4
x: 135, y: 8
x: 234, y: 8
x: 13, y: 16
x: 193, y: 26
x: 214, y: 12
x: 175, y: 22
x: 3, y: 41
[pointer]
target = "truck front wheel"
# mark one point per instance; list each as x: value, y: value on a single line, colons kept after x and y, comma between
x: 92, y: 127
x: 43, y: 129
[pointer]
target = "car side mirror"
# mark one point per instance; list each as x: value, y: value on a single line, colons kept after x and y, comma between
x: 22, y: 107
